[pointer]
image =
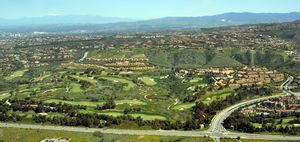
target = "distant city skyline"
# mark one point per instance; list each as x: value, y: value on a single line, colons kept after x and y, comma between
x: 139, y: 9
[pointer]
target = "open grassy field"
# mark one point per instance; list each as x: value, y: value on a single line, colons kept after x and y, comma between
x: 184, y: 106
x: 246, y: 140
x: 214, y: 96
x: 94, y: 104
x: 41, y: 77
x: 15, y: 74
x: 75, y: 88
x: 130, y: 84
x: 221, y: 60
x: 196, y: 80
x: 144, y: 115
x: 93, y: 81
x: 3, y: 96
x: 29, y: 114
x: 153, y: 138
x: 284, y: 122
x: 36, y: 135
x: 148, y: 81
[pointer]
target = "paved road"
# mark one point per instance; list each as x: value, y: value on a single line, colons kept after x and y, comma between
x: 216, y: 125
x: 154, y: 132
x: 216, y: 131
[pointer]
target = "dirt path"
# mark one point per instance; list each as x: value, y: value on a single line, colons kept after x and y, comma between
x: 176, y: 102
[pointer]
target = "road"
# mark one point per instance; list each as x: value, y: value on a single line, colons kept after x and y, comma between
x: 216, y: 124
x: 216, y: 130
x: 84, y: 56
x: 153, y: 132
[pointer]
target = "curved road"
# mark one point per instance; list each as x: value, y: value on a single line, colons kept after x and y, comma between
x: 153, y: 132
x: 216, y: 130
x: 216, y: 124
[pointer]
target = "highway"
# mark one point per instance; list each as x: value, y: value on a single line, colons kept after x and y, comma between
x: 216, y: 124
x: 216, y: 130
x: 154, y: 132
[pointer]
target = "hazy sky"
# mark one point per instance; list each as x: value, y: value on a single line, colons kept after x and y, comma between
x: 141, y: 9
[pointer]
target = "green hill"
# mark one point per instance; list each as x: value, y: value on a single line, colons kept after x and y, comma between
x: 221, y: 60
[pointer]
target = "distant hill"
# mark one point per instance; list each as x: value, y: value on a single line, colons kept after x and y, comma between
x: 62, y: 20
x: 289, y: 30
x: 117, y: 25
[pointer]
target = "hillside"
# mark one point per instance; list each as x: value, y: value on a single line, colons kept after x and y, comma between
x: 192, y: 58
x: 221, y: 60
x: 86, y: 24
x: 289, y: 30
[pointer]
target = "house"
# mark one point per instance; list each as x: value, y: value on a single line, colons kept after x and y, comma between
x: 234, y: 85
x: 273, y: 103
x: 264, y: 109
x: 294, y: 105
x: 247, y: 111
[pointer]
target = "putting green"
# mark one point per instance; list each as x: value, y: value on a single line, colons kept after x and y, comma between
x: 16, y: 74
x: 148, y: 81
x: 184, y: 106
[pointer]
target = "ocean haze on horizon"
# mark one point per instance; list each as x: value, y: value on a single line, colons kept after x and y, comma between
x: 141, y: 10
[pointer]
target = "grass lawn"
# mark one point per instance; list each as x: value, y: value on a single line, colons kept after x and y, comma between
x: 148, y: 81
x: 29, y: 114
x: 41, y: 78
x: 36, y: 135
x: 130, y: 84
x: 286, y: 120
x: 93, y: 81
x: 76, y: 88
x: 184, y: 106
x: 214, y: 96
x: 246, y: 140
x: 154, y: 138
x: 187, y: 106
x: 144, y: 115
x: 139, y: 56
x: 196, y: 79
x: 16, y: 74
x: 256, y: 125
x: 3, y: 96
x: 94, y: 104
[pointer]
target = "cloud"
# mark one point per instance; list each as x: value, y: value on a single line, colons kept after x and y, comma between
x: 53, y: 14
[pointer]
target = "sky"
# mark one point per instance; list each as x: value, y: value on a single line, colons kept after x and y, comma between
x: 141, y: 9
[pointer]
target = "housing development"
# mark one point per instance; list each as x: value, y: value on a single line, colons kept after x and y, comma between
x: 160, y: 80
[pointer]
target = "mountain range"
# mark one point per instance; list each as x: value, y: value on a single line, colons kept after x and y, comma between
x: 98, y: 24
x: 60, y: 19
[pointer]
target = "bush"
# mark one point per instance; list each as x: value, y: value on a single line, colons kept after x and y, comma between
x: 98, y: 134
